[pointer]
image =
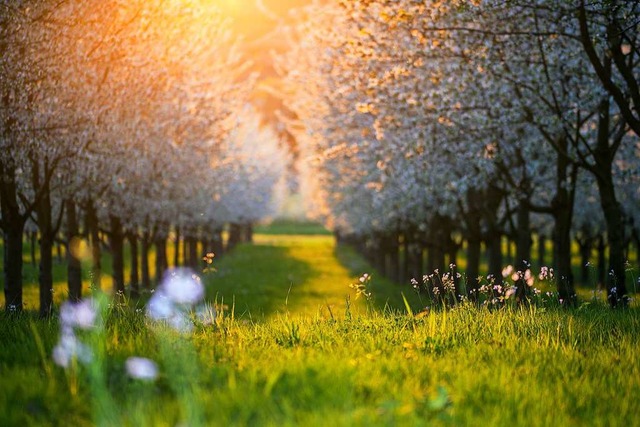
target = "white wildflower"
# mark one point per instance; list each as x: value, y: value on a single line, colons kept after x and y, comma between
x: 141, y: 368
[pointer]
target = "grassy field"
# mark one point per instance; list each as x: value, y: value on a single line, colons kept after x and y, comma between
x: 295, y: 347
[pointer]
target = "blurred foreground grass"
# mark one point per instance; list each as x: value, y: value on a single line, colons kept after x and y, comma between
x: 466, y: 366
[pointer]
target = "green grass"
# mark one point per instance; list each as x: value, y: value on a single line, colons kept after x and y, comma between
x: 295, y: 352
x: 292, y: 227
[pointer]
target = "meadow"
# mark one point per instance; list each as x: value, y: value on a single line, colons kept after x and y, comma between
x: 292, y: 344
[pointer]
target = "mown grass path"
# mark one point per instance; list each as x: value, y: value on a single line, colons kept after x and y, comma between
x: 299, y: 275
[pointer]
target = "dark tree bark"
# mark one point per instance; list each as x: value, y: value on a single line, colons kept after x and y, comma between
x: 562, y: 208
x: 144, y: 260
x: 96, y: 252
x: 33, y: 239
x: 176, y: 255
x: 494, y: 249
x: 393, y: 255
x: 602, y: 262
x: 193, y: 259
x: 186, y: 255
x: 217, y: 242
x: 134, y: 278
x: 47, y: 235
x: 523, y: 247
x: 12, y: 222
x: 625, y: 92
x: 616, y: 286
x: 585, y: 244
x: 473, y: 266
x: 249, y: 233
x: 116, y: 239
x: 74, y: 268
x: 378, y: 254
x: 235, y: 236
x: 160, y: 242
x: 407, y: 261
x: 542, y: 250
x: 473, y: 220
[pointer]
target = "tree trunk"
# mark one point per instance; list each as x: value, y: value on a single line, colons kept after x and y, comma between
x: 45, y: 225
x: 134, y: 277
x: 13, y: 267
x: 394, y: 257
x: 542, y: 250
x: 494, y: 248
x: 176, y: 255
x: 235, y: 236
x: 144, y: 261
x: 33, y: 238
x: 473, y: 220
x: 407, y: 259
x: 217, y: 242
x: 616, y: 286
x: 74, y: 268
x: 96, y: 252
x: 117, y: 254
x: 585, y: 243
x: 161, y: 256
x: 186, y: 255
x: 193, y: 252
x: 473, y: 266
x: 562, y: 255
x: 562, y: 205
x: 493, y: 237
x: 249, y: 233
x: 13, y: 223
x: 602, y: 262
x: 523, y: 248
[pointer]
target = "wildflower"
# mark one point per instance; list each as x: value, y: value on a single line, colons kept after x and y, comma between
x: 515, y: 276
x: 545, y: 273
x: 182, y: 286
x: 507, y: 271
x: 141, y: 368
x: 448, y: 283
x: 68, y: 348
x: 510, y: 292
x: 160, y: 306
x: 528, y: 278
x: 81, y: 314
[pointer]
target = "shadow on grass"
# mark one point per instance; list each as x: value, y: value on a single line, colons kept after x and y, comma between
x: 386, y: 294
x: 256, y: 280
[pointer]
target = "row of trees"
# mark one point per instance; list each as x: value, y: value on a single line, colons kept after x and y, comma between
x: 470, y: 120
x: 126, y: 119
